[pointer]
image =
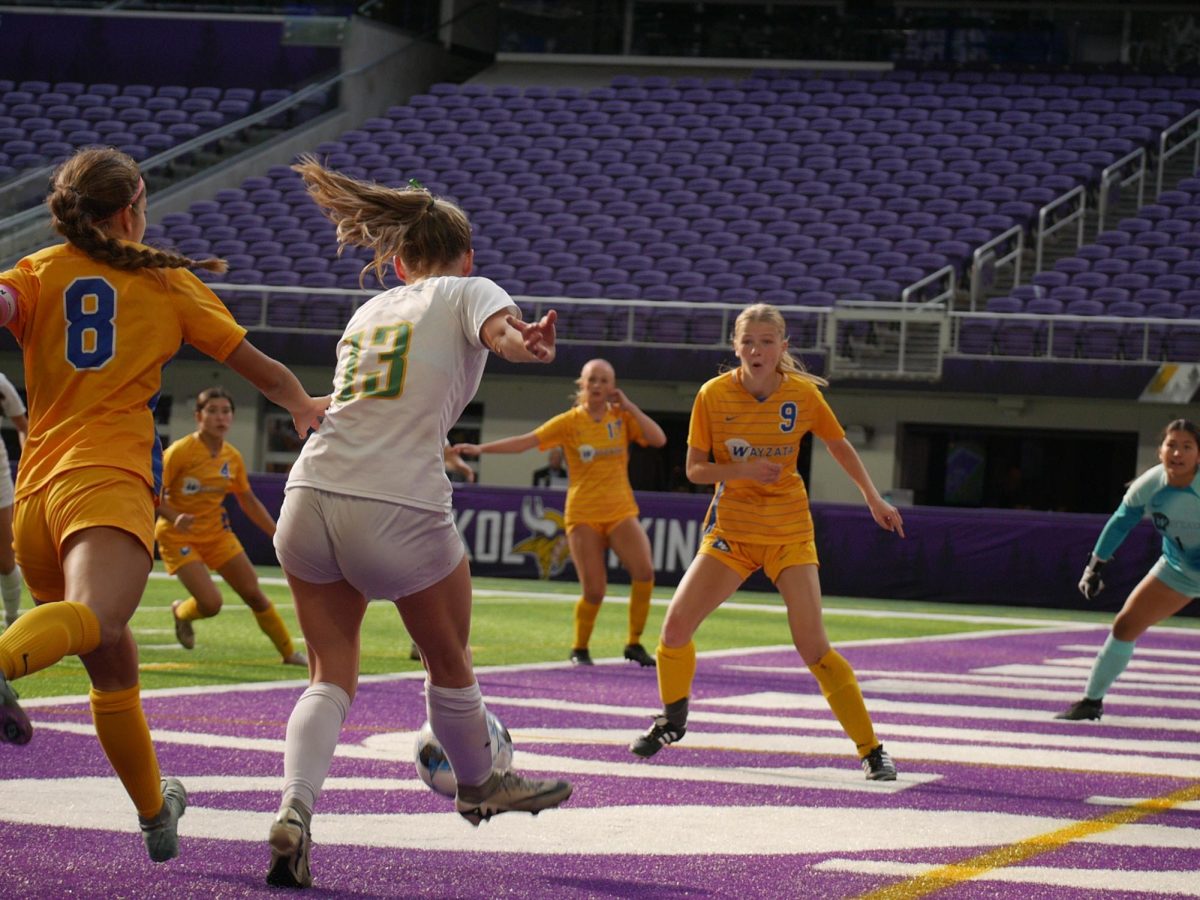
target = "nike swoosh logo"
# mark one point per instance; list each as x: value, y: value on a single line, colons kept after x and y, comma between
x: 730, y: 418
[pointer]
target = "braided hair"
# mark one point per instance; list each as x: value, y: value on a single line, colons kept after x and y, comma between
x: 91, y: 187
x: 424, y: 231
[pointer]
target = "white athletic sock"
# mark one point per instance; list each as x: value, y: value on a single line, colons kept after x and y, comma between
x: 10, y: 589
x: 460, y: 725
x: 312, y: 737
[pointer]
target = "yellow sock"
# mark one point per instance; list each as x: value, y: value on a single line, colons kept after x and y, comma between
x: 125, y: 736
x: 676, y: 669
x: 585, y: 621
x: 844, y: 697
x: 46, y: 634
x: 639, y: 609
x: 272, y: 626
x: 189, y: 611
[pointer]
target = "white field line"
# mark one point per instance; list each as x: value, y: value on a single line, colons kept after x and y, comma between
x: 1187, y: 806
x: 778, y: 609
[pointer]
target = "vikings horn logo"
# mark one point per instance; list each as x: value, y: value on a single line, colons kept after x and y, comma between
x: 547, y: 541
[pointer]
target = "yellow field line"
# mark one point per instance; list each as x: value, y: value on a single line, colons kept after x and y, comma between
x: 955, y: 873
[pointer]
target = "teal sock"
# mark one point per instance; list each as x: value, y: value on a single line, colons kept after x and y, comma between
x: 1110, y: 662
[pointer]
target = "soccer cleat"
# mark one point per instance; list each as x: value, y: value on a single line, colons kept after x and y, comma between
x: 661, y: 733
x: 581, y: 657
x: 509, y: 792
x: 184, y: 633
x: 290, y: 843
x: 637, y: 653
x: 161, y: 833
x: 878, y: 765
x: 296, y: 659
x: 14, y: 724
x: 1083, y: 709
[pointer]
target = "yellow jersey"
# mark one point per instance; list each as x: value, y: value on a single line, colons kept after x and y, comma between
x: 597, y: 455
x: 96, y: 339
x: 733, y: 425
x: 196, y: 482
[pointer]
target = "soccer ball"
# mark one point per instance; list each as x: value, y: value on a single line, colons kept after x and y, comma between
x: 434, y: 768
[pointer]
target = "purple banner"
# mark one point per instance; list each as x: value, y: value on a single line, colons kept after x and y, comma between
x: 1010, y: 557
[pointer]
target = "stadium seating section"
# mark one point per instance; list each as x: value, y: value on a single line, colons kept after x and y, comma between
x: 793, y: 188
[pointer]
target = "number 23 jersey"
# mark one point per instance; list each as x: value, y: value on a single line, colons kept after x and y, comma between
x: 408, y: 363
x: 95, y: 340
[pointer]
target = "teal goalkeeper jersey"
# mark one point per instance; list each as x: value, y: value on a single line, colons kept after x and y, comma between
x: 1175, y: 513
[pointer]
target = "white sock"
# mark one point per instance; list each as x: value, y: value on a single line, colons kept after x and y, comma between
x: 458, y: 721
x: 312, y: 737
x: 10, y: 589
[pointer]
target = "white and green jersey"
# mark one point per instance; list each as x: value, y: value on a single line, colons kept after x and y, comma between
x: 408, y: 363
x: 1174, y: 511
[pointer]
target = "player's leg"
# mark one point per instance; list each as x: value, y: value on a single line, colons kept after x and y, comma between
x: 203, y: 601
x: 331, y: 617
x: 588, y: 551
x: 106, y: 569
x: 439, y: 619
x: 707, y: 584
x: 10, y: 572
x: 629, y: 541
x: 800, y: 587
x: 239, y: 574
x: 1160, y: 594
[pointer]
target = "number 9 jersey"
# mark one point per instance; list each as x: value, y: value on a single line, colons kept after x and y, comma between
x: 95, y: 340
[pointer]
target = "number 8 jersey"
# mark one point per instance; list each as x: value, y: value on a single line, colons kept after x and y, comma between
x: 95, y: 340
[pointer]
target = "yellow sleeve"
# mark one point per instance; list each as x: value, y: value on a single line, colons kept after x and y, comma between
x: 700, y: 429
x: 240, y: 481
x: 207, y: 325
x: 24, y: 283
x: 633, y: 429
x: 825, y: 424
x: 555, y: 433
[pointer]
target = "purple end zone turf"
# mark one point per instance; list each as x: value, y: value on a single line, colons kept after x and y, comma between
x: 762, y: 798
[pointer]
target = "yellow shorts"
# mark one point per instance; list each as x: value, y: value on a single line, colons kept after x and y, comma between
x: 92, y: 497
x: 177, y: 549
x: 745, y: 559
x: 604, y: 528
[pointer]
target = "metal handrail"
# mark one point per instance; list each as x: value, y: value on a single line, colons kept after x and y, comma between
x: 1192, y: 119
x: 946, y: 296
x: 1112, y: 173
x: 1013, y: 256
x: 1044, y: 214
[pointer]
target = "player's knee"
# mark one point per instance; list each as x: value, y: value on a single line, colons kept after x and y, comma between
x: 1125, y: 629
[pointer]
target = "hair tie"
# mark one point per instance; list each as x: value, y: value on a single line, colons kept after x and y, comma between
x: 417, y: 186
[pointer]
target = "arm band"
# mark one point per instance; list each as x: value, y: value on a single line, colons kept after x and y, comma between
x: 8, y: 304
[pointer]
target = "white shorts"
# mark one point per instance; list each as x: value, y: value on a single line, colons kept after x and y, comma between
x: 382, y: 549
x: 6, y: 482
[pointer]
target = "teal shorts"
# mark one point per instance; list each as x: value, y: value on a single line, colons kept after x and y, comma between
x: 1187, y: 583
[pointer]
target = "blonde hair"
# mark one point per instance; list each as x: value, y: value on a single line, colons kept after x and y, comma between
x: 766, y: 314
x: 91, y: 187
x: 580, y: 397
x: 424, y: 231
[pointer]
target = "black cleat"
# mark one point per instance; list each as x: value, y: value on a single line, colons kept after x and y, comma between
x: 581, y: 657
x: 637, y: 653
x: 1083, y: 709
x: 878, y: 765
x: 661, y: 733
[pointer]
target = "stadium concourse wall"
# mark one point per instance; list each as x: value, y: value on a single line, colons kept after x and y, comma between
x: 1007, y: 557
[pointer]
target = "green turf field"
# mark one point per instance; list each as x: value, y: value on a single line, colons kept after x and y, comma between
x: 514, y: 622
